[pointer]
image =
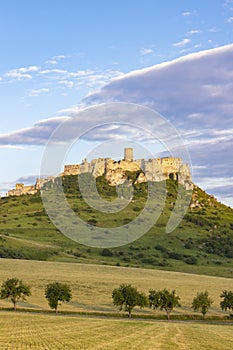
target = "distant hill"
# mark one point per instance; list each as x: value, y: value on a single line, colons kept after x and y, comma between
x: 202, y: 243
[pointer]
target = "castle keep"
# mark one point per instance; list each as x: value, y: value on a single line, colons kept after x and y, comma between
x: 154, y: 169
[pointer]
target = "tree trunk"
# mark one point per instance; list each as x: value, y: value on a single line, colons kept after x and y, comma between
x: 168, y: 316
x: 130, y: 314
x: 56, y: 310
x: 14, y: 306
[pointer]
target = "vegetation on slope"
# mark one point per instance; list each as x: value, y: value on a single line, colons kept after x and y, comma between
x: 203, y: 242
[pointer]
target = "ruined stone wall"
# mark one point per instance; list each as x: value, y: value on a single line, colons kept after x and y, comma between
x: 21, y: 189
x: 155, y: 169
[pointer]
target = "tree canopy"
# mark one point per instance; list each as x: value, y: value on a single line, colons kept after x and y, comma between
x: 202, y: 302
x: 56, y: 292
x: 15, y: 290
x: 127, y: 297
x: 164, y: 300
x: 227, y: 302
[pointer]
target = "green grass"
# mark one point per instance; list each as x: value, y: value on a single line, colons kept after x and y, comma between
x: 40, y: 332
x: 202, y: 244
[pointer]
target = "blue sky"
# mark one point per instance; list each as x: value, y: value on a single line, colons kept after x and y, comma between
x: 59, y: 56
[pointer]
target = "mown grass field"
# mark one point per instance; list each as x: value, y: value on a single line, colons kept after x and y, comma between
x: 92, y: 285
x: 41, y: 332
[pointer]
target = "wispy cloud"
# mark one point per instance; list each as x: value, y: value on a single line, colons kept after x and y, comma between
x: 230, y: 20
x: 21, y: 73
x: 51, y: 77
x: 54, y: 62
x: 182, y: 43
x: 12, y: 147
x: 37, y: 92
x: 146, y: 51
x: 193, y: 31
x: 67, y: 83
x: 59, y: 57
x: 186, y: 14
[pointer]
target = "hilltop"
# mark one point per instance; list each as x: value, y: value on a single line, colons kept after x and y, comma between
x: 202, y: 243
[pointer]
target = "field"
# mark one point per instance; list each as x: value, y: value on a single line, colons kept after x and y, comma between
x: 91, y: 288
x: 40, y: 332
x: 92, y: 284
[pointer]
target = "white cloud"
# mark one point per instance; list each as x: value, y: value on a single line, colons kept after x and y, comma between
x: 67, y: 83
x: 145, y: 51
x: 54, y: 62
x: 230, y: 20
x: 182, y: 43
x: 12, y: 147
x: 186, y: 14
x: 194, y: 31
x: 37, y: 92
x: 59, y: 57
x: 216, y: 182
x: 21, y: 73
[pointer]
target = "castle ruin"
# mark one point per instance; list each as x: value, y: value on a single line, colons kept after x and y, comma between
x: 154, y: 169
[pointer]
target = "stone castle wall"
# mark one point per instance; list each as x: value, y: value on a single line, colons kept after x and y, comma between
x: 155, y: 169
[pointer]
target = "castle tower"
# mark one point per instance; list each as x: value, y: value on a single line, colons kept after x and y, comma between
x: 128, y: 154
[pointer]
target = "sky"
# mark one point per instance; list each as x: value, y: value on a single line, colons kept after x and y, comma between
x: 173, y: 56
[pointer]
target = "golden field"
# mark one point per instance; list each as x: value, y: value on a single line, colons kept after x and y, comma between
x: 92, y: 284
x: 49, y: 332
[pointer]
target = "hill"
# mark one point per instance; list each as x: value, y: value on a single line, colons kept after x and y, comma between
x: 202, y: 243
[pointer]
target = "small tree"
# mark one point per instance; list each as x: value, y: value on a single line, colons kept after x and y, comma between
x: 164, y: 300
x: 14, y: 289
x: 202, y: 302
x: 127, y: 297
x: 57, y: 292
x: 227, y: 302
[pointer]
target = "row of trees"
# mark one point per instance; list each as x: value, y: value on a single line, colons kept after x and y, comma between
x: 15, y: 290
x: 126, y: 297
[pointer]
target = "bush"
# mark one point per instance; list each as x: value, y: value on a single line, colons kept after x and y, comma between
x: 191, y: 260
x: 106, y: 252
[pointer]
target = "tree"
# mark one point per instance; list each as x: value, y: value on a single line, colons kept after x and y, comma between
x: 14, y: 289
x: 57, y: 292
x: 202, y: 302
x: 154, y: 298
x: 227, y: 302
x: 164, y: 300
x: 127, y: 297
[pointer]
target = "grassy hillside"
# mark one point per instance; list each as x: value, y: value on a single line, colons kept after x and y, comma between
x: 203, y: 242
